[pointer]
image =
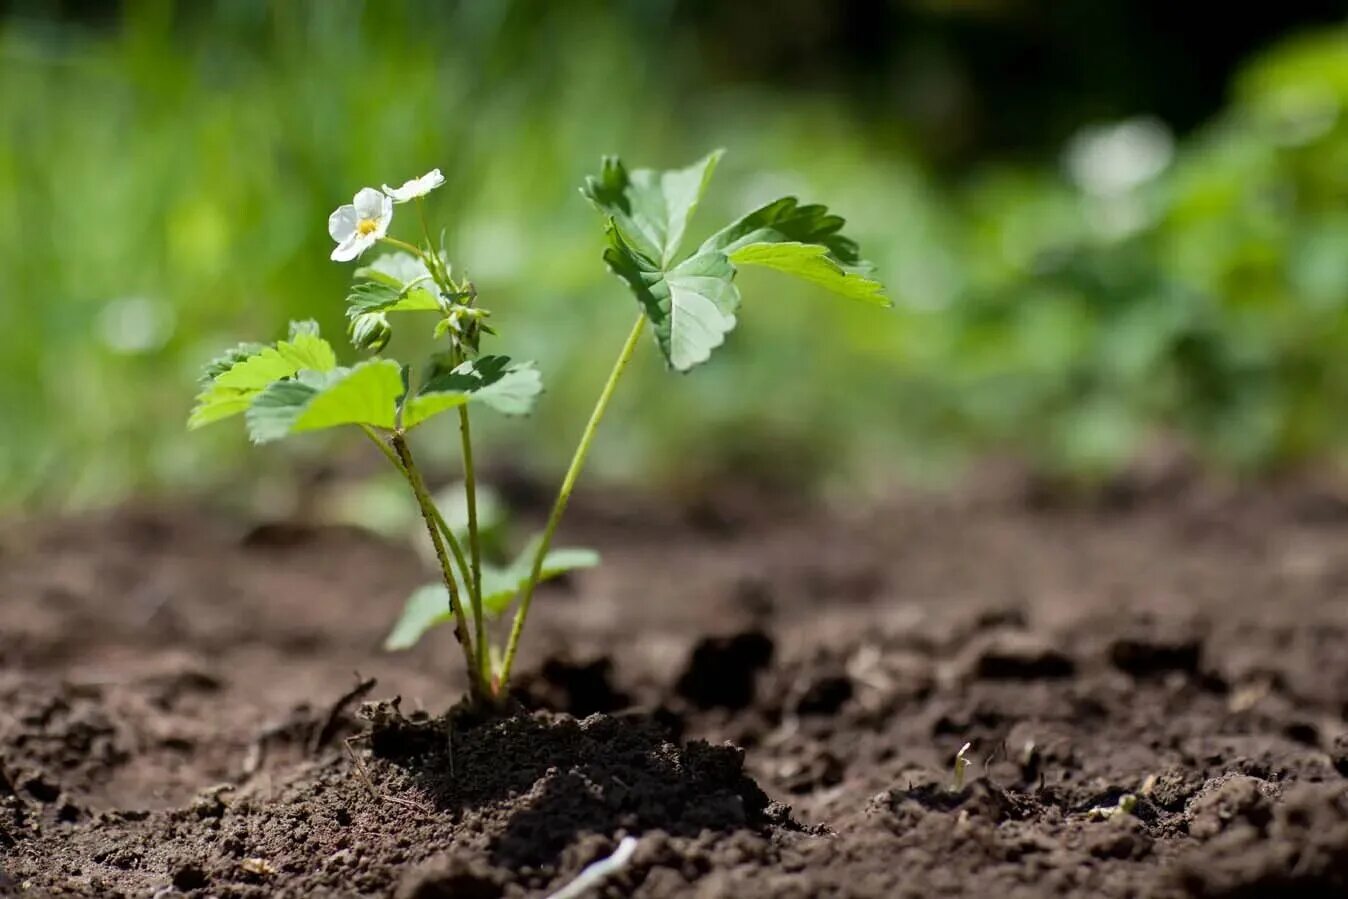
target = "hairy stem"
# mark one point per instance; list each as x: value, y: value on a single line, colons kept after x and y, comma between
x: 428, y: 515
x: 474, y: 546
x: 445, y: 530
x: 563, y: 497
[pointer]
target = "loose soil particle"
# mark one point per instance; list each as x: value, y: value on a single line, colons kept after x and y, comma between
x: 1156, y: 694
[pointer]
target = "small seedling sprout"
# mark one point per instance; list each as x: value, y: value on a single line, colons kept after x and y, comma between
x: 1127, y: 802
x: 961, y: 764
x: 688, y: 300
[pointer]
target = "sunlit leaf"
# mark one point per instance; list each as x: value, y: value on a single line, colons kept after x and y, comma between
x: 692, y: 306
x: 811, y: 262
x: 365, y: 394
x: 651, y: 208
x: 495, y: 381
x: 233, y: 385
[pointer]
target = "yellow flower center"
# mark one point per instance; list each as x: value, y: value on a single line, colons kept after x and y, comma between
x: 366, y: 226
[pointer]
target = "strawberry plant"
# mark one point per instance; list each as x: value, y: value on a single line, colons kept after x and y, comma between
x: 688, y: 300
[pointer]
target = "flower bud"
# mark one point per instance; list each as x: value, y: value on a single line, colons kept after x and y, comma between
x: 370, y: 331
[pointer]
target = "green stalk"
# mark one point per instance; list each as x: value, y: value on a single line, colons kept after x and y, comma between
x: 474, y: 546
x: 563, y: 497
x: 428, y: 515
x: 445, y: 530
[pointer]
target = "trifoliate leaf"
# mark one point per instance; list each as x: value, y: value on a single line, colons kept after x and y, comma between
x: 233, y: 388
x: 368, y: 394
x: 651, y: 208
x: 692, y: 303
x: 428, y: 606
x: 812, y: 262
x: 692, y: 306
x: 508, y: 387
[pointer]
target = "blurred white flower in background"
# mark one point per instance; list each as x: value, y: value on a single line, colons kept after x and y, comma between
x: 1108, y: 160
x: 135, y: 325
x: 1108, y: 163
x: 417, y: 187
x: 358, y: 226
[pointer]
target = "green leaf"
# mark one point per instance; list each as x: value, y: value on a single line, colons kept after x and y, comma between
x: 651, y: 208
x: 228, y: 359
x: 376, y: 296
x: 785, y: 220
x: 508, y: 387
x: 368, y: 394
x: 812, y: 262
x: 233, y: 385
x: 692, y: 306
x: 395, y: 282
x: 426, y: 608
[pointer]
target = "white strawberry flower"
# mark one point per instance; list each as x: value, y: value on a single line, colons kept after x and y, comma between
x: 417, y: 187
x: 358, y: 226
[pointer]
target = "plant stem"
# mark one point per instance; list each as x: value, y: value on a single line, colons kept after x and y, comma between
x: 411, y: 248
x: 474, y: 545
x: 563, y: 497
x: 445, y: 530
x: 428, y: 515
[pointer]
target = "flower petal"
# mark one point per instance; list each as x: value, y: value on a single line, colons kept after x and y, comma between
x: 417, y: 187
x: 350, y: 248
x: 371, y: 203
x: 342, y: 223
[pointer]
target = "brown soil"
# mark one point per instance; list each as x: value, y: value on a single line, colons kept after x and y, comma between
x: 770, y: 699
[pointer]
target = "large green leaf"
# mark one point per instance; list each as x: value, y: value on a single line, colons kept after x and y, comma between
x: 692, y: 306
x: 812, y: 262
x: 651, y: 208
x: 428, y: 606
x: 508, y: 387
x: 234, y: 380
x: 367, y: 394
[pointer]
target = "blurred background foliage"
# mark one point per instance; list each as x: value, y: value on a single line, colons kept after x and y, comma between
x: 1103, y: 224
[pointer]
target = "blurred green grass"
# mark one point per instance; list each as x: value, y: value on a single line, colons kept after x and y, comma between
x: 166, y: 182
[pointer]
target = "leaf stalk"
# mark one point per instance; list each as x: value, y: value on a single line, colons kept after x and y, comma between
x: 563, y: 497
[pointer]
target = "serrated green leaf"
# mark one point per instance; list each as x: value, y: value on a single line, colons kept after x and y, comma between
x: 508, y: 387
x: 692, y: 306
x: 426, y: 608
x: 367, y: 393
x: 377, y: 296
x: 785, y: 220
x: 395, y: 282
x: 227, y: 360
x: 811, y: 262
x: 652, y: 209
x: 233, y: 388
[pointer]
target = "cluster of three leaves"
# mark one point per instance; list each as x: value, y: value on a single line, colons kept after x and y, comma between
x: 296, y: 385
x: 692, y: 303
